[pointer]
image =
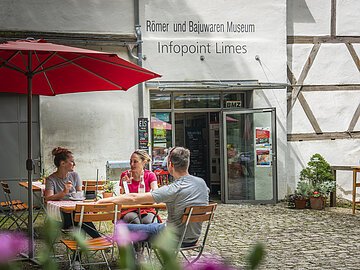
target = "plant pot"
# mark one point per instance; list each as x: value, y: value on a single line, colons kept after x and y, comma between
x: 300, y: 203
x: 107, y: 194
x: 317, y: 203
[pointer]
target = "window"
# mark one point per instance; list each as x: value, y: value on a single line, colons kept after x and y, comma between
x: 234, y: 100
x: 196, y: 101
x: 161, y: 130
x: 160, y: 101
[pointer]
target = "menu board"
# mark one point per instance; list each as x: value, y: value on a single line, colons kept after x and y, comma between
x: 196, y: 145
x: 143, y: 133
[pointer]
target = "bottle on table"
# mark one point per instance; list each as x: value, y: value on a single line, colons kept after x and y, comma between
x: 141, y: 188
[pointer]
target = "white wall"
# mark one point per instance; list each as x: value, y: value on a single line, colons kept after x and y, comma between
x: 336, y: 152
x: 308, y: 17
x: 273, y: 20
x: 276, y: 98
x: 348, y: 23
x: 333, y: 65
x: 268, y: 41
x: 80, y: 16
x: 96, y: 126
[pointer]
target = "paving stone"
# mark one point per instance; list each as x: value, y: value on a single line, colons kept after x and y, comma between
x: 294, y: 239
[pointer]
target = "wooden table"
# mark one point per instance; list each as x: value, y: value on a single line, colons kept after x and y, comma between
x: 36, y: 186
x: 38, y: 189
x: 71, y: 207
x: 54, y: 208
x: 341, y: 168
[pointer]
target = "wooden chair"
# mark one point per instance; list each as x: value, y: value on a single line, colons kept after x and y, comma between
x: 13, y: 209
x: 85, y: 212
x: 355, y: 185
x: 92, y: 188
x: 162, y: 177
x: 194, y: 214
x: 5, y: 211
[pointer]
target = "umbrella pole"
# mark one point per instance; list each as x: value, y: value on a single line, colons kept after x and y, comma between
x: 29, y: 161
x: 96, y: 185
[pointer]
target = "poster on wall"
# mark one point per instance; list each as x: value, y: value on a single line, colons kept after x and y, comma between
x: 262, y: 136
x: 263, y: 147
x: 263, y: 158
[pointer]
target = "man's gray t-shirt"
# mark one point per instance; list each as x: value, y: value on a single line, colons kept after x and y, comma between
x: 57, y: 184
x: 184, y: 192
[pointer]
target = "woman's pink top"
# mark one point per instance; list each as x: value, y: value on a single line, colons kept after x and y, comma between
x: 149, y: 177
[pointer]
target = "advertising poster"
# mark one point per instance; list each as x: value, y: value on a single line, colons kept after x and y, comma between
x: 262, y: 136
x: 263, y: 158
x: 263, y: 147
x: 143, y: 134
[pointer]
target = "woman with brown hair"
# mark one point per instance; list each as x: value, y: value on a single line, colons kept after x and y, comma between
x: 64, y: 181
x: 136, y: 180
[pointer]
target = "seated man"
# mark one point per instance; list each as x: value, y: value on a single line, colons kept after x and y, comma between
x: 187, y: 190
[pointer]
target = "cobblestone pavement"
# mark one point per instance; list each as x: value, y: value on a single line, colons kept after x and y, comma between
x: 293, y: 239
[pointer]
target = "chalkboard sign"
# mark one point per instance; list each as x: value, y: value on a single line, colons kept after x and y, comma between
x: 196, y: 144
x: 143, y: 133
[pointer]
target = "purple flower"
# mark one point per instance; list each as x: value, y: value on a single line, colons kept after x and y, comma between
x: 124, y: 237
x: 12, y: 244
x: 210, y: 264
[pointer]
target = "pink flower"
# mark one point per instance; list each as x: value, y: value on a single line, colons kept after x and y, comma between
x: 124, y: 237
x: 11, y: 244
x: 210, y: 264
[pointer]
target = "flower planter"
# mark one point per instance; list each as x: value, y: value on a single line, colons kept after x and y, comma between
x: 107, y: 194
x: 300, y: 203
x: 317, y: 203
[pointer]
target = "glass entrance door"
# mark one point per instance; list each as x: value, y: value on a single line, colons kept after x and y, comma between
x: 249, y: 155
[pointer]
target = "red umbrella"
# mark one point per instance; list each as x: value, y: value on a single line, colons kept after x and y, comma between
x: 37, y: 67
x: 56, y: 69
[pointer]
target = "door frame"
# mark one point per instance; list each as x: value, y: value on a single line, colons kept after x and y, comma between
x: 224, y: 180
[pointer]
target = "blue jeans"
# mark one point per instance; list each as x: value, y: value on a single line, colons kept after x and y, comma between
x: 151, y: 229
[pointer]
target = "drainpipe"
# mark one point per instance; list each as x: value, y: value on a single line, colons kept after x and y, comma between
x: 139, y: 55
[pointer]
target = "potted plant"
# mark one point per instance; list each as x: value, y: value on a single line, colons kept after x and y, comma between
x: 109, y: 188
x: 301, y: 194
x: 320, y: 179
x: 43, y: 176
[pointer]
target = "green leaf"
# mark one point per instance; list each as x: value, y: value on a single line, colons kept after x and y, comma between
x: 165, y: 244
x: 255, y: 256
x: 80, y: 240
x: 127, y: 257
x: 51, y: 232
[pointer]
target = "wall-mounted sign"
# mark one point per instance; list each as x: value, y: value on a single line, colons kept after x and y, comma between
x: 143, y: 133
x: 233, y: 104
x: 188, y: 33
